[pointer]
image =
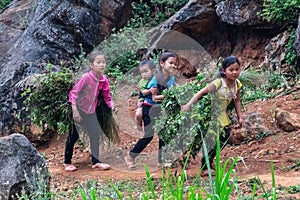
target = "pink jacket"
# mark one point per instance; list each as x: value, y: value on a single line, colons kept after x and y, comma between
x: 85, y: 92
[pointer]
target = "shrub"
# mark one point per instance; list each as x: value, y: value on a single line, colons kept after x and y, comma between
x: 48, y: 101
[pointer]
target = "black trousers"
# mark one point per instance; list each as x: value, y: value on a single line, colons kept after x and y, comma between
x: 149, y: 113
x: 213, y: 152
x: 91, y: 125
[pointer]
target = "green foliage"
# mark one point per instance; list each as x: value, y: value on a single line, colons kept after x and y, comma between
x: 223, y: 183
x: 48, y: 102
x: 179, y: 129
x: 121, y: 50
x: 276, y: 81
x: 37, y: 188
x: 291, y: 55
x: 254, y: 85
x: 93, y: 190
x: 294, y: 189
x: 123, y: 64
x: 149, y: 14
x: 284, y: 12
x: 281, y: 10
x: 262, y: 85
x: 4, y: 4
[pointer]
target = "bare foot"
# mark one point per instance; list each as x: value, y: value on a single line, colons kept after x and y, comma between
x: 101, y: 166
x: 70, y: 168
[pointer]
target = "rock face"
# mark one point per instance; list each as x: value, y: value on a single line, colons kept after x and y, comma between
x: 18, y: 158
x: 223, y: 28
x: 54, y: 32
x: 242, y: 13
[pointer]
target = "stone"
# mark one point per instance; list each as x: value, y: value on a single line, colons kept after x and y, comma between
x: 21, y: 167
x: 287, y: 121
x: 254, y: 124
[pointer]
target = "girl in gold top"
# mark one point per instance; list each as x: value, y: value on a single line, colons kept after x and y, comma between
x: 225, y: 88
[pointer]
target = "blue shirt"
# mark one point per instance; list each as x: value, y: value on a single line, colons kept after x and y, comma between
x: 150, y: 84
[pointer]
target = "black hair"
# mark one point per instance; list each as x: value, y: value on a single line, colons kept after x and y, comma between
x: 91, y: 57
x: 227, y: 62
x: 150, y: 63
x: 161, y: 81
x: 164, y: 56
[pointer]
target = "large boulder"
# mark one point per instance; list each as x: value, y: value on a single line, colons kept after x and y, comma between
x: 242, y: 13
x: 21, y: 167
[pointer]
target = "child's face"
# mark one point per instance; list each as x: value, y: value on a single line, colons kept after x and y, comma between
x: 146, y: 72
x: 233, y: 71
x: 169, y: 65
x: 99, y: 64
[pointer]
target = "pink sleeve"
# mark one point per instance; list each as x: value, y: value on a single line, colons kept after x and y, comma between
x: 106, y: 94
x: 73, y: 94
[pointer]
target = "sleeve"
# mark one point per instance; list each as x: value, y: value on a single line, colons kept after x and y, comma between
x: 217, y: 83
x: 106, y: 94
x: 73, y: 94
x: 239, y: 84
x: 152, y: 83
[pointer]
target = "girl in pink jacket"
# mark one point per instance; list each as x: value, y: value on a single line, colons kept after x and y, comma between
x: 84, y: 100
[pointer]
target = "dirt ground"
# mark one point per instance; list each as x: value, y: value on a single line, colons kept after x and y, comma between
x: 254, y: 157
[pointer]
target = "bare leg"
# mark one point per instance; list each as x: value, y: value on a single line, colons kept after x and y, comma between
x: 139, y: 121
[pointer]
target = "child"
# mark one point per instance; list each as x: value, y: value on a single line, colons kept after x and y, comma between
x: 162, y: 80
x: 225, y: 88
x: 146, y: 86
x: 84, y: 100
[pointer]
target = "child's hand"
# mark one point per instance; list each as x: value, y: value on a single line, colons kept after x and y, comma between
x: 241, y: 122
x: 114, y: 109
x: 76, y: 116
x: 153, y: 90
x: 186, y: 108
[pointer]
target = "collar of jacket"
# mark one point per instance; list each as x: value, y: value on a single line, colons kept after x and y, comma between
x: 92, y: 74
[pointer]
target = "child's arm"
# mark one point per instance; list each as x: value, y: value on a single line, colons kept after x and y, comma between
x: 158, y: 98
x: 146, y: 91
x: 211, y: 87
x: 106, y: 95
x: 76, y: 114
x: 238, y: 108
x: 155, y: 97
x: 73, y: 95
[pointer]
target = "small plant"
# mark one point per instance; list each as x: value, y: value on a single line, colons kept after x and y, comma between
x: 295, y: 96
x: 37, y: 187
x: 293, y: 189
x: 121, y: 50
x: 93, y: 190
x: 224, y: 185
